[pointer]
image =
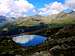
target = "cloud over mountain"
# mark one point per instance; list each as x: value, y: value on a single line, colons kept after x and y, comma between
x: 52, y: 8
x: 24, y: 8
x: 57, y: 7
x: 70, y: 3
x: 15, y: 7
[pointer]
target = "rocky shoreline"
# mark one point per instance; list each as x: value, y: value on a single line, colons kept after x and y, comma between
x: 60, y: 42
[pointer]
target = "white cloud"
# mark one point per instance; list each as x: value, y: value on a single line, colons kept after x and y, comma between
x: 52, y: 8
x: 14, y: 7
x: 24, y: 4
x: 70, y: 4
x: 21, y: 7
x: 4, y: 7
x: 57, y: 7
x: 18, y: 7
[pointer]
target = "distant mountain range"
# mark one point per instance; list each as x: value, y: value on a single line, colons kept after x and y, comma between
x: 3, y: 21
x: 6, y: 22
x: 61, y: 18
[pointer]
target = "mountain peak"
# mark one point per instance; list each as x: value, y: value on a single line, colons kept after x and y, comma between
x: 2, y: 18
x: 68, y: 11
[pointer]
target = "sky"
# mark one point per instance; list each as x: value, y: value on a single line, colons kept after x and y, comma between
x: 18, y: 8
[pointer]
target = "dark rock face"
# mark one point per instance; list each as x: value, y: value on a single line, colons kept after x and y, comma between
x: 2, y: 19
x: 64, y: 41
x: 60, y: 42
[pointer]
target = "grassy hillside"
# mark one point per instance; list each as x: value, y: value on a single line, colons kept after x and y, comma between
x: 61, y: 18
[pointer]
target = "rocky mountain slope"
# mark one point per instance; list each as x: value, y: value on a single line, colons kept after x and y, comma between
x: 35, y: 22
x: 60, y: 42
x: 61, y: 18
